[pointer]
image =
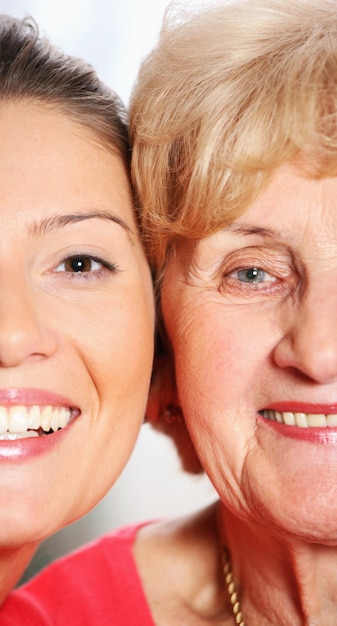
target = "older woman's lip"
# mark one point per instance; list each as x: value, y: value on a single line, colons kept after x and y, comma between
x: 313, y: 434
x: 302, y: 414
x: 303, y: 407
x: 301, y: 419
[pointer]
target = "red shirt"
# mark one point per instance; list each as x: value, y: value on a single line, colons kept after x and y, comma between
x: 97, y: 585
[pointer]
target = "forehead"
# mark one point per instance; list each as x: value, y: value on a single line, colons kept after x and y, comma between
x: 23, y: 120
x: 292, y: 196
x: 47, y: 128
x: 41, y: 119
x: 293, y: 209
x: 48, y: 161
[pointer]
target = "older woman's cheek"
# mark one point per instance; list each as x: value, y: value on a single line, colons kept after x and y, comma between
x: 224, y: 373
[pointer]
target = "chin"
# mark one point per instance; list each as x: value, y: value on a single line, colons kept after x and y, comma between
x: 27, y: 519
x: 14, y: 533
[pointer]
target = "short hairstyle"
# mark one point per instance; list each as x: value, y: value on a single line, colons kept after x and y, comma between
x: 228, y: 94
x: 31, y: 68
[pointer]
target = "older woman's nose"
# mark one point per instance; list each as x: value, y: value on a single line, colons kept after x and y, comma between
x: 23, y: 334
x: 309, y: 343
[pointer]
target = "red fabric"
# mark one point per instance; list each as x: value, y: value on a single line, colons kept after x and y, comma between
x: 96, y: 585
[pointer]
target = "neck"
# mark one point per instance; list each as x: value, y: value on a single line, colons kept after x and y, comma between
x: 13, y: 562
x: 280, y: 581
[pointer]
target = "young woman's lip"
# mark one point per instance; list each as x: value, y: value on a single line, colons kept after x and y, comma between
x: 31, y: 396
x: 302, y: 407
x: 22, y: 450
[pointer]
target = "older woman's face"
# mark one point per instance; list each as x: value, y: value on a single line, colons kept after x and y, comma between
x: 76, y: 321
x: 253, y: 326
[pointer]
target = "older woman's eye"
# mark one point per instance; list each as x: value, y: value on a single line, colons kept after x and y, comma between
x: 253, y: 275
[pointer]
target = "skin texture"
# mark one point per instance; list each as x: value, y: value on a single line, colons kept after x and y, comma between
x: 267, y: 343
x: 87, y: 335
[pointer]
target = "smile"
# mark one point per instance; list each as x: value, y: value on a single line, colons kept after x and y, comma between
x: 302, y: 420
x: 21, y: 422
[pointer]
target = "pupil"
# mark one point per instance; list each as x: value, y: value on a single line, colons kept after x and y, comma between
x: 252, y: 273
x: 78, y: 264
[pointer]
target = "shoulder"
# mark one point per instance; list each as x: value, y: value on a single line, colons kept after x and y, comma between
x: 86, y: 587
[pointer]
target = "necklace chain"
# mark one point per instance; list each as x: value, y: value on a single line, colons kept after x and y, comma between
x: 232, y: 591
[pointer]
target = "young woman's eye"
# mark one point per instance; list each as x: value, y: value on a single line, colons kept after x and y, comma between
x: 81, y: 263
x: 253, y: 275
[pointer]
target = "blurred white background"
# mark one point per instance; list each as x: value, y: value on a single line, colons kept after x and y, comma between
x: 114, y: 36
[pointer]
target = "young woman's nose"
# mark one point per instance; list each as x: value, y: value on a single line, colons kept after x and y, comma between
x: 23, y: 333
x: 309, y: 343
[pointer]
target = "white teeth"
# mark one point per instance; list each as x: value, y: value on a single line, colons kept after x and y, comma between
x: 18, y: 419
x: 289, y: 418
x: 18, y: 422
x: 331, y: 420
x: 63, y: 417
x: 14, y: 436
x: 34, y: 418
x: 46, y: 416
x: 316, y: 420
x: 54, y: 422
x: 3, y: 420
x: 302, y: 420
x: 278, y: 416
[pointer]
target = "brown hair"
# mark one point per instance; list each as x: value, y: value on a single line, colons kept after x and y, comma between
x: 32, y: 68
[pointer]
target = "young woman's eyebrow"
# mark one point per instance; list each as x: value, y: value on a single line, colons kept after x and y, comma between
x: 48, y: 224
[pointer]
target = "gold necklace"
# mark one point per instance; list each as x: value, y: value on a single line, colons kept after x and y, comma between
x: 232, y: 592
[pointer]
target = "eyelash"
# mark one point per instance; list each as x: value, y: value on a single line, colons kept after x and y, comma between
x: 86, y: 274
x: 253, y: 281
x: 276, y: 279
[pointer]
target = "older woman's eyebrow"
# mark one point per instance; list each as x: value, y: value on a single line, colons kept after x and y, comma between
x: 246, y: 229
x: 48, y: 224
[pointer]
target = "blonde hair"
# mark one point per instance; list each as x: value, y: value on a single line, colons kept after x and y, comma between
x: 228, y: 94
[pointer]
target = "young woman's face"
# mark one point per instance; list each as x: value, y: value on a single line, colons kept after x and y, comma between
x: 254, y: 332
x: 76, y: 321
